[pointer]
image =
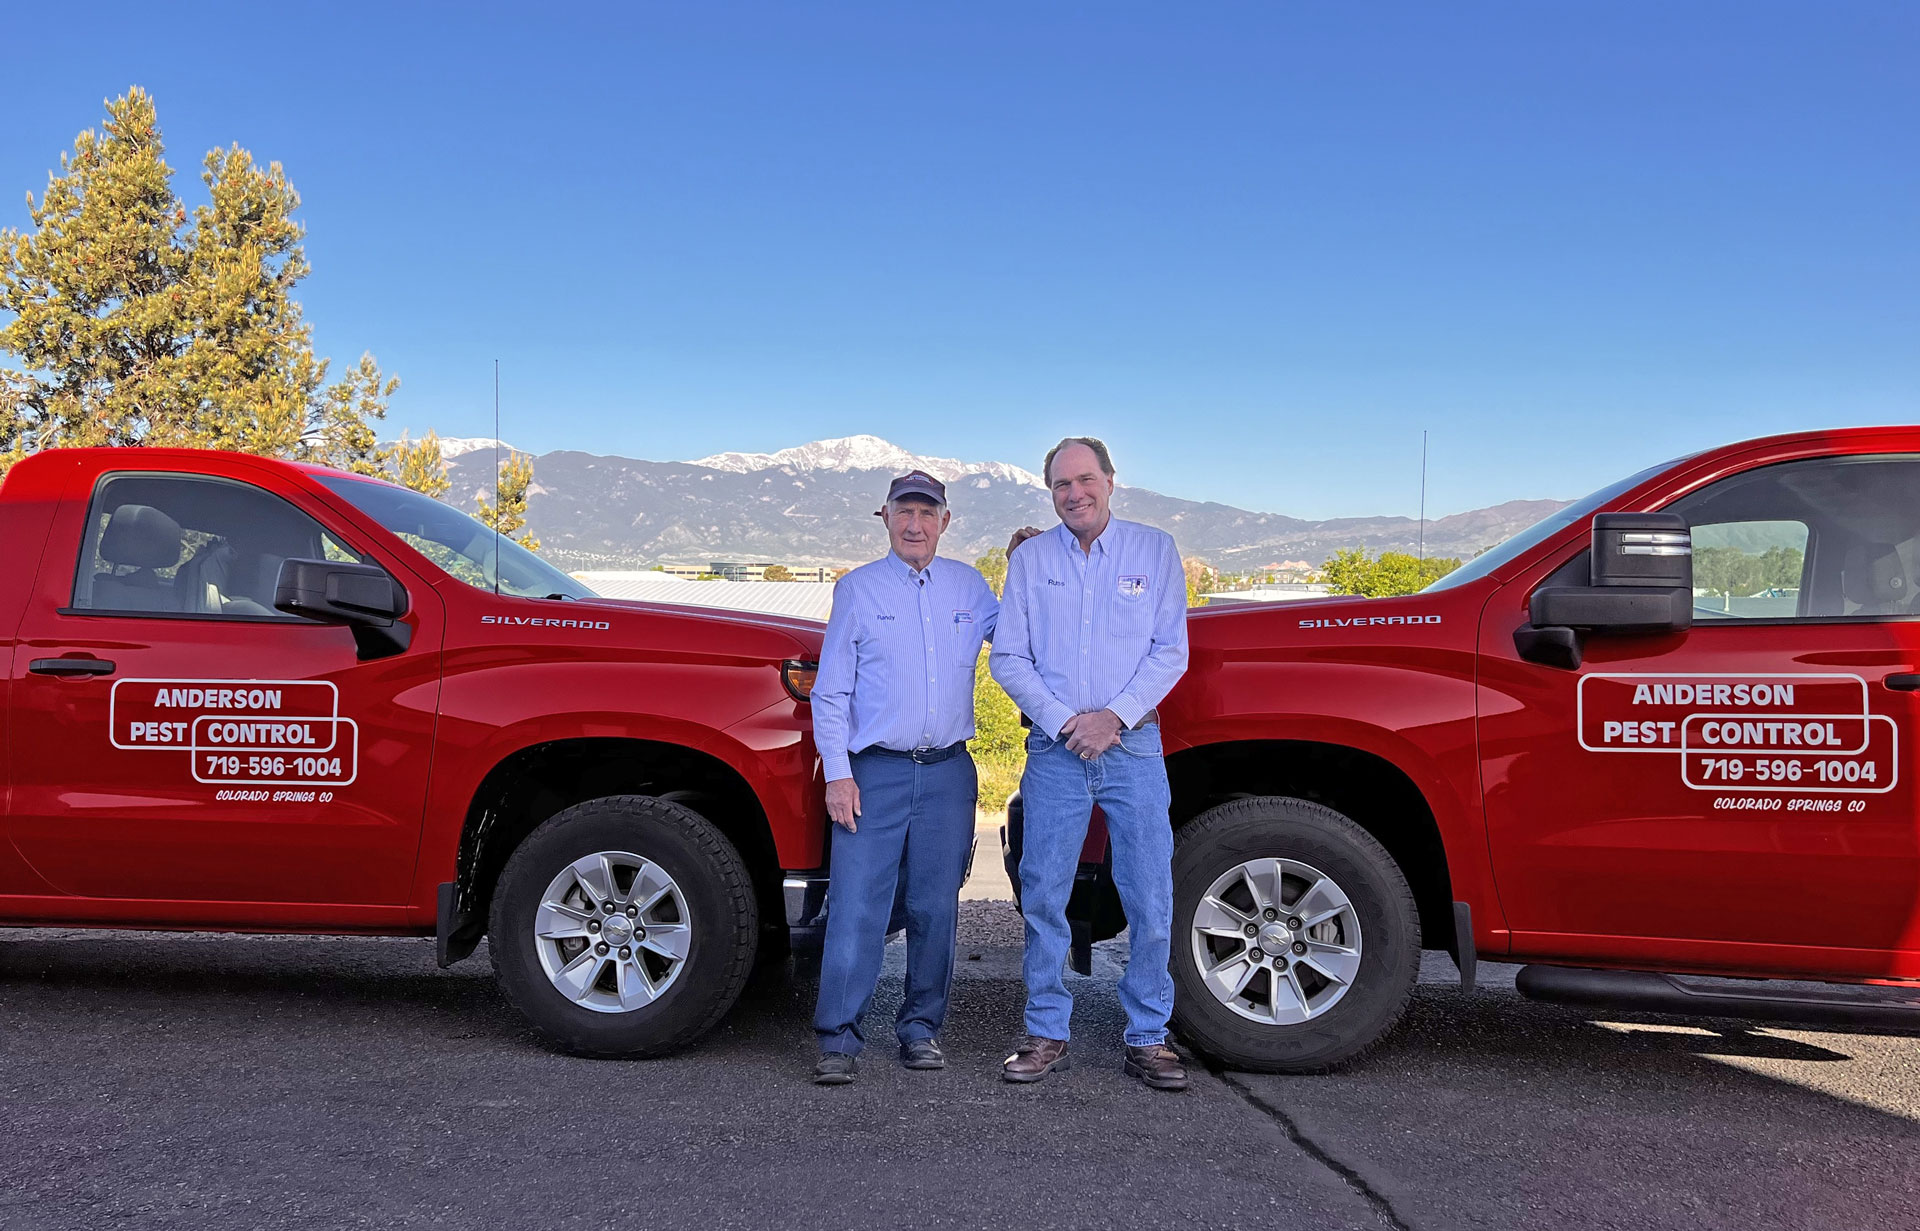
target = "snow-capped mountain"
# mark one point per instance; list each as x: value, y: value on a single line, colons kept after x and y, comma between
x: 847, y: 453
x: 813, y: 504
x: 454, y: 446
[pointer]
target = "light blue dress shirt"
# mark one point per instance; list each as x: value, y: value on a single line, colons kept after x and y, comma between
x: 896, y: 670
x: 1084, y: 631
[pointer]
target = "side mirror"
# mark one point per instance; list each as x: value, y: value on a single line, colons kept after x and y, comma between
x: 1641, y: 582
x: 361, y: 596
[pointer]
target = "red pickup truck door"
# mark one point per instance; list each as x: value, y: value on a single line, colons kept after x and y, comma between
x: 1742, y: 794
x: 175, y: 738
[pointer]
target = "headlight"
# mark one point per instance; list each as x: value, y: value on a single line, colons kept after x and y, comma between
x: 798, y: 677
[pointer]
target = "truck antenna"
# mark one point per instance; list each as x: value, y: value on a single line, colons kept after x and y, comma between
x: 496, y: 479
x: 1423, y: 494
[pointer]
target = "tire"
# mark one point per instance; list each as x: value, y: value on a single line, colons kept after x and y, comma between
x: 690, y: 951
x: 1274, y: 1026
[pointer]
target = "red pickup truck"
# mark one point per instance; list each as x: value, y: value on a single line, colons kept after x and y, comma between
x: 255, y: 696
x: 1661, y: 738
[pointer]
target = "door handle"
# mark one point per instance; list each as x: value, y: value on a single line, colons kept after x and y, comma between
x: 71, y: 666
x: 1903, y: 683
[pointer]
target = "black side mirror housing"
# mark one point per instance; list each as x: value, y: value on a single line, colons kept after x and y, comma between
x: 1641, y: 582
x: 363, y: 597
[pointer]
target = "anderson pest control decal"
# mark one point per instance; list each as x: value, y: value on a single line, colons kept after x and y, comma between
x: 259, y: 733
x: 1748, y: 735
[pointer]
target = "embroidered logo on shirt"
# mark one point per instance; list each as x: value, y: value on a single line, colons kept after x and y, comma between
x: 963, y: 617
x: 1052, y: 582
x: 881, y: 615
x: 1133, y: 585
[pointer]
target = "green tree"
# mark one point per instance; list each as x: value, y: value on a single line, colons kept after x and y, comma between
x: 508, y: 510
x: 777, y: 572
x: 1728, y: 571
x: 993, y: 566
x: 1355, y: 570
x: 999, y: 743
x: 1782, y: 568
x: 130, y: 327
x: 417, y: 464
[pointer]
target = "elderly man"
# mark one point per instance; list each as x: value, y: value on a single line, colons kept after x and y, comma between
x: 1093, y: 633
x: 892, y: 711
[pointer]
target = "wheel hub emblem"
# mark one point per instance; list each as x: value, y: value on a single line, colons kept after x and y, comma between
x: 1275, y: 938
x: 617, y: 930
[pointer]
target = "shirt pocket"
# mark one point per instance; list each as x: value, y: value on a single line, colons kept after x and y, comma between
x: 1132, y: 615
x: 963, y: 639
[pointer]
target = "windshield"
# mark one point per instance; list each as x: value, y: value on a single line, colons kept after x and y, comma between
x: 1540, y: 531
x: 463, y: 546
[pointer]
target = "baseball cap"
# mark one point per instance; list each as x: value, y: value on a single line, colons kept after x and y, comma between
x: 915, y: 483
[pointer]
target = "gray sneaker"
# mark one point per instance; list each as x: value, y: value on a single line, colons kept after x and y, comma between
x: 835, y: 1069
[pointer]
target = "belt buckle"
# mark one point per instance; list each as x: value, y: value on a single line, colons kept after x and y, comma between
x: 920, y: 755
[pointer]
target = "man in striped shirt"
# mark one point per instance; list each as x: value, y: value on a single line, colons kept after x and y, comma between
x: 1092, y: 635
x: 892, y: 711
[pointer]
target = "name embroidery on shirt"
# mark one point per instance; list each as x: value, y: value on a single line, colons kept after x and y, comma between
x: 963, y: 617
x: 1052, y: 582
x: 1133, y: 585
x: 881, y: 615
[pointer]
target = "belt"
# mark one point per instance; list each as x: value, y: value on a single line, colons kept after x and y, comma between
x: 919, y: 756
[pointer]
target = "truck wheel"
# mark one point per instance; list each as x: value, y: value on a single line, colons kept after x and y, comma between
x: 1295, y: 940
x: 624, y: 927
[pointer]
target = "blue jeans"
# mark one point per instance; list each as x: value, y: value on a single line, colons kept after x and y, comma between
x: 1059, y: 790
x: 915, y: 821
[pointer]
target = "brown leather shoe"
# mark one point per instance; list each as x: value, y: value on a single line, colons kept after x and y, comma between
x: 1035, y: 1059
x: 1158, y: 1066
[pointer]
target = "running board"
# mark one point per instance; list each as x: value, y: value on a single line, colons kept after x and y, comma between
x: 1801, y: 1003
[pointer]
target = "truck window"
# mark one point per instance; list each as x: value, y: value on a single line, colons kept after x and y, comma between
x: 1822, y: 539
x: 185, y: 545
x: 463, y: 547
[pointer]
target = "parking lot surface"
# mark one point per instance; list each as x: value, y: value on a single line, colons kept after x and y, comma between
x: 161, y: 1080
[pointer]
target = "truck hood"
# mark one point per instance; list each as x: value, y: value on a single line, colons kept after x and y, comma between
x: 808, y: 633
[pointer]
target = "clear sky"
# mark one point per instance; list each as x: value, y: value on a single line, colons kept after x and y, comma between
x: 1257, y: 246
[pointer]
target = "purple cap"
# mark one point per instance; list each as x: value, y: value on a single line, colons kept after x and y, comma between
x: 916, y: 483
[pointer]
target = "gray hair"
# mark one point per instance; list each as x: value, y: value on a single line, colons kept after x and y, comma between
x: 1098, y: 446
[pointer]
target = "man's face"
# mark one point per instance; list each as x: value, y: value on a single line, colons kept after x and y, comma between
x: 1081, y: 490
x: 914, y: 526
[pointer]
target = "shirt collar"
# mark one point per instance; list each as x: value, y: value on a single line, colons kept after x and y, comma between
x: 1102, y: 542
x: 907, y: 571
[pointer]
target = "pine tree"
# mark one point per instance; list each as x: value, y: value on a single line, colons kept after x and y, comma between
x: 417, y: 464
x: 131, y: 328
x: 508, y: 512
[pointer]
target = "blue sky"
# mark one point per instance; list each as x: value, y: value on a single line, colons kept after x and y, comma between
x: 1258, y: 247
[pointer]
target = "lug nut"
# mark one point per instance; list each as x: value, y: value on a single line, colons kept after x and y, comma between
x: 1256, y: 953
x: 601, y: 949
x: 607, y: 906
x: 625, y: 953
x: 1294, y: 923
x: 1299, y: 947
x: 639, y: 933
x: 593, y: 925
x: 633, y: 912
x: 1252, y: 930
x: 1270, y: 914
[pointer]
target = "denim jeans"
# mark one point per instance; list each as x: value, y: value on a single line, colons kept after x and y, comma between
x: 1059, y: 790
x: 916, y: 822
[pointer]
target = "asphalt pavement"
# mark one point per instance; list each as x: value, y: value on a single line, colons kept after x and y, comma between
x: 156, y: 1080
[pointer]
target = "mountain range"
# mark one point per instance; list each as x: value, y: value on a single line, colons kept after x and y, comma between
x: 814, y: 504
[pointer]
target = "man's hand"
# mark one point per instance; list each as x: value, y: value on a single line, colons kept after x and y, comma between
x: 1020, y: 536
x: 1091, y: 734
x: 843, y: 803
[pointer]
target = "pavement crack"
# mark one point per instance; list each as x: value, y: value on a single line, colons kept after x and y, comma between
x: 1382, y: 1205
